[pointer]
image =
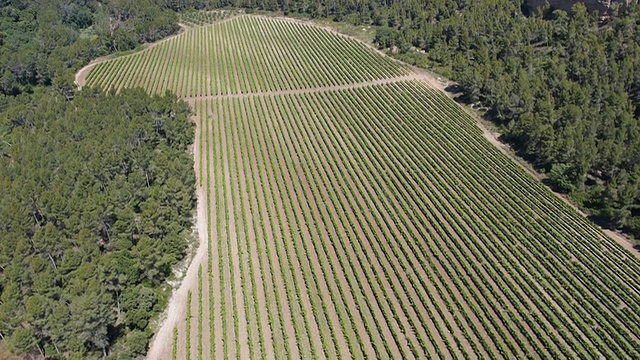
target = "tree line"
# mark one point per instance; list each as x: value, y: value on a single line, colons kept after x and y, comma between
x: 96, y: 189
x: 43, y: 43
x: 564, y: 90
x: 96, y: 207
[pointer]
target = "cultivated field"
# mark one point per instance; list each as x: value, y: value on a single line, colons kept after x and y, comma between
x: 354, y: 211
x: 246, y: 55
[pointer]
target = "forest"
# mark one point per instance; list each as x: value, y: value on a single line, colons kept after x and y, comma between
x: 563, y: 89
x: 97, y: 189
x: 43, y: 43
x: 96, y: 208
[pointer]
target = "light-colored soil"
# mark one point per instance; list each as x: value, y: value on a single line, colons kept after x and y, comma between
x: 239, y: 317
x: 396, y: 205
x: 389, y: 285
x: 225, y: 236
x: 203, y: 337
x: 475, y: 213
x: 391, y: 227
x: 362, y: 184
x: 161, y: 344
x: 311, y: 209
x: 492, y: 137
x: 339, y: 276
x: 258, y: 199
x: 216, y: 276
x: 284, y: 245
x: 178, y: 79
x: 81, y: 75
x: 409, y: 77
x: 468, y: 255
x: 5, y: 354
x: 263, y: 339
x: 274, y: 204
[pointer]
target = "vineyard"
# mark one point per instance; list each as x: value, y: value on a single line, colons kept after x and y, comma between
x: 245, y: 55
x: 354, y: 211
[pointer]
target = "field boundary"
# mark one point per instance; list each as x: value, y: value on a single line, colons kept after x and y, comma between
x: 619, y: 238
x: 80, y: 78
x: 160, y: 344
x: 357, y: 85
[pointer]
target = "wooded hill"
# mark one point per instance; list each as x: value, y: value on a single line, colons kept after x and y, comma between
x: 45, y: 42
x: 96, y: 190
x: 96, y: 205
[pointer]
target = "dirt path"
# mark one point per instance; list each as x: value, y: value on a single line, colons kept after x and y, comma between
x: 492, y: 137
x: 161, y: 344
x: 81, y: 75
x: 409, y: 77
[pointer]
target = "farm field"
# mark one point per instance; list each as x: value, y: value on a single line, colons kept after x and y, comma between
x: 245, y: 54
x: 349, y: 209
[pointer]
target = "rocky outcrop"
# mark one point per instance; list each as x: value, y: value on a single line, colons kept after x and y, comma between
x: 602, y: 6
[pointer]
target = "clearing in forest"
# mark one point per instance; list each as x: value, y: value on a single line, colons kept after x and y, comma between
x: 354, y: 211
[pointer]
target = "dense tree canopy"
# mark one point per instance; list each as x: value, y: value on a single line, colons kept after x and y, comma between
x: 44, y: 42
x: 97, y: 189
x: 96, y: 203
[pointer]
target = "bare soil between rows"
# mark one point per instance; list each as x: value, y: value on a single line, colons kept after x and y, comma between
x: 161, y: 345
x: 493, y: 138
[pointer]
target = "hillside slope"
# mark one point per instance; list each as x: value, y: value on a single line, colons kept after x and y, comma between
x: 354, y: 211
